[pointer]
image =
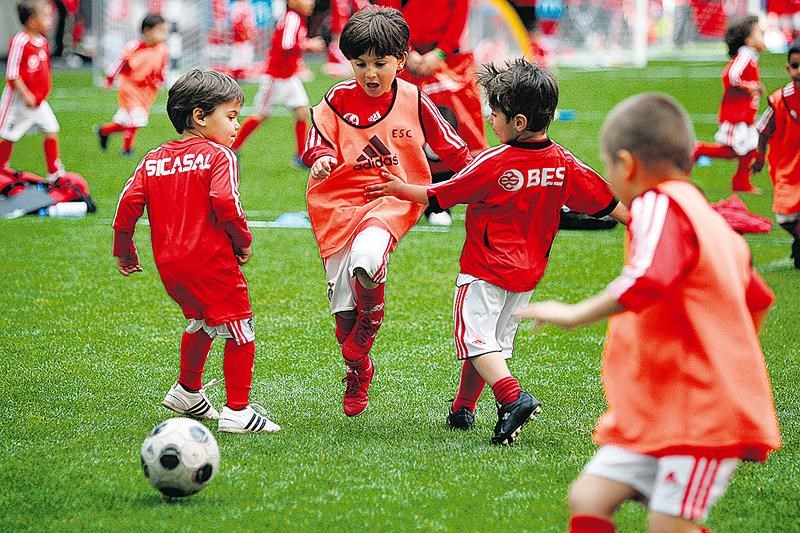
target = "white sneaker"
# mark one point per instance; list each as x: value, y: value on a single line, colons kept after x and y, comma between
x: 191, y: 404
x: 246, y: 420
x: 440, y: 219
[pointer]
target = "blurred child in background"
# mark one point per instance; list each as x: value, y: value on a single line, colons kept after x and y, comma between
x: 243, y: 30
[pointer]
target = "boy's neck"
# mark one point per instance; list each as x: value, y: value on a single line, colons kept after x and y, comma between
x: 529, y: 136
x: 32, y: 32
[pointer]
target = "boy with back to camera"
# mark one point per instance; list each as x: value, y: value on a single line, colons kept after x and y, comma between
x: 741, y: 82
x: 687, y: 388
x: 362, y: 126
x: 779, y: 128
x: 514, y: 194
x: 141, y: 68
x: 23, y: 107
x: 200, y: 238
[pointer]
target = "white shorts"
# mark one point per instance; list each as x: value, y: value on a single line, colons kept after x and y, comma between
x: 131, y: 118
x: 241, y: 55
x: 676, y: 485
x: 370, y: 250
x: 783, y: 219
x: 17, y: 119
x: 743, y: 138
x: 484, y: 318
x: 241, y: 331
x: 274, y: 92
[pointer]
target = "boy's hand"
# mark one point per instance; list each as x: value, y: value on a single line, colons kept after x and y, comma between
x: 315, y: 44
x: 430, y: 63
x: 392, y: 187
x: 414, y: 61
x: 758, y: 163
x: 549, y: 312
x: 108, y: 82
x: 323, y: 166
x: 243, y: 254
x: 129, y: 264
x: 28, y: 99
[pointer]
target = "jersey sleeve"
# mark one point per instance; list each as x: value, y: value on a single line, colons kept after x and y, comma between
x: 291, y: 31
x: 15, y: 49
x: 468, y: 186
x: 587, y: 191
x: 663, y: 249
x: 115, y: 67
x: 224, y: 191
x: 766, y: 124
x: 132, y: 201
x: 316, y: 146
x: 441, y: 136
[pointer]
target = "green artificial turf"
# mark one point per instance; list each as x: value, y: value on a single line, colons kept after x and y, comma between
x: 86, y: 356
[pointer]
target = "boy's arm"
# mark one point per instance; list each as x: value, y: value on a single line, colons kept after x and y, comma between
x: 13, y: 67
x: 597, y: 307
x: 224, y: 191
x: 318, y: 154
x: 765, y: 127
x: 759, y: 299
x: 621, y: 213
x: 27, y: 96
x: 441, y: 137
x: 130, y: 208
x: 395, y: 186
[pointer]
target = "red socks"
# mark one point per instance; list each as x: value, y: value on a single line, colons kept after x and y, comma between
x: 51, y: 155
x: 248, y: 127
x: 344, y: 324
x: 741, y: 179
x: 237, y: 365
x: 300, y: 136
x: 5, y: 153
x: 506, y: 390
x: 111, y: 127
x: 717, y: 151
x: 370, y: 306
x: 128, y: 135
x: 469, y: 387
x: 194, y: 352
x: 590, y: 524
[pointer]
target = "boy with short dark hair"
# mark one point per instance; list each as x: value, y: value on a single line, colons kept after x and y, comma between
x: 514, y: 193
x: 23, y: 107
x: 200, y: 238
x: 362, y: 126
x: 779, y: 127
x: 687, y: 389
x: 741, y: 82
x: 142, y: 68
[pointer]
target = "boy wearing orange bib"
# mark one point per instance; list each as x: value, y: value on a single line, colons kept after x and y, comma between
x: 362, y: 127
x: 779, y: 128
x: 687, y: 388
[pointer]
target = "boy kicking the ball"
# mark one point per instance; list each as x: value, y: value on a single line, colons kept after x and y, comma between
x: 514, y: 194
x: 686, y: 385
x: 200, y: 238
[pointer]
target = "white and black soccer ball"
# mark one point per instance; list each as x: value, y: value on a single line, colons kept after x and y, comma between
x: 180, y: 457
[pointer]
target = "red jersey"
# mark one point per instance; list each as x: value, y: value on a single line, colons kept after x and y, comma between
x: 433, y: 23
x: 29, y: 60
x: 243, y: 22
x: 190, y: 190
x: 286, y: 46
x: 739, y: 77
x: 514, y: 193
x: 354, y: 105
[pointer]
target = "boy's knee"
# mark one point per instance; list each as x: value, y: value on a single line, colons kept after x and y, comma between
x: 662, y: 523
x: 364, y: 278
x: 586, y: 497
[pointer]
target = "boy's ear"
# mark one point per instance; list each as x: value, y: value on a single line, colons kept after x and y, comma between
x: 520, y: 122
x: 401, y: 62
x: 198, y: 117
x: 629, y: 164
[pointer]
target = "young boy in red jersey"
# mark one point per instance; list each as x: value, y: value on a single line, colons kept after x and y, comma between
x: 282, y: 85
x: 23, y: 106
x: 200, y: 238
x: 779, y: 127
x: 687, y: 389
x: 514, y: 194
x: 141, y: 67
x: 243, y: 30
x: 364, y: 125
x: 736, y: 137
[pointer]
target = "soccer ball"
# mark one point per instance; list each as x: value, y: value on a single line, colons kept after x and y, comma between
x: 180, y: 457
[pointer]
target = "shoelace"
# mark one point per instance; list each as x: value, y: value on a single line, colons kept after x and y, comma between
x: 260, y: 410
x: 353, y: 383
x: 211, y: 384
x: 366, y: 328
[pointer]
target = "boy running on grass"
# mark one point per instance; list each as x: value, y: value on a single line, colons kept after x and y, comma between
x: 200, y: 238
x: 514, y: 194
x: 686, y: 385
x: 362, y: 126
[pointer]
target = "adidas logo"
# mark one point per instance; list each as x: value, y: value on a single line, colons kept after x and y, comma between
x: 374, y: 117
x: 375, y: 155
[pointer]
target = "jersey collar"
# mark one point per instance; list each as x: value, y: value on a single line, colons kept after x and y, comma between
x: 531, y: 145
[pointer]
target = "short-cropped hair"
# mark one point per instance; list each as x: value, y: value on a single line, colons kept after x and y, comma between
x: 521, y: 88
x: 200, y: 88
x: 151, y: 20
x: 794, y: 49
x: 738, y: 31
x: 380, y: 30
x: 653, y: 127
x: 27, y: 8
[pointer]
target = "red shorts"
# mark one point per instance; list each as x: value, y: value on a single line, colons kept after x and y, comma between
x: 217, y: 295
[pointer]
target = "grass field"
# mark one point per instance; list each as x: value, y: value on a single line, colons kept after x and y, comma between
x: 86, y: 357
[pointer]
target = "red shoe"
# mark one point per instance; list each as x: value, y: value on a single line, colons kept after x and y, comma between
x: 748, y: 190
x: 357, y: 384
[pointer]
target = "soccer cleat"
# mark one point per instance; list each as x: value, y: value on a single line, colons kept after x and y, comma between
x: 102, y: 138
x: 442, y: 218
x: 127, y: 154
x: 191, y: 404
x: 246, y: 420
x: 357, y: 384
x: 463, y: 418
x: 513, y: 416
